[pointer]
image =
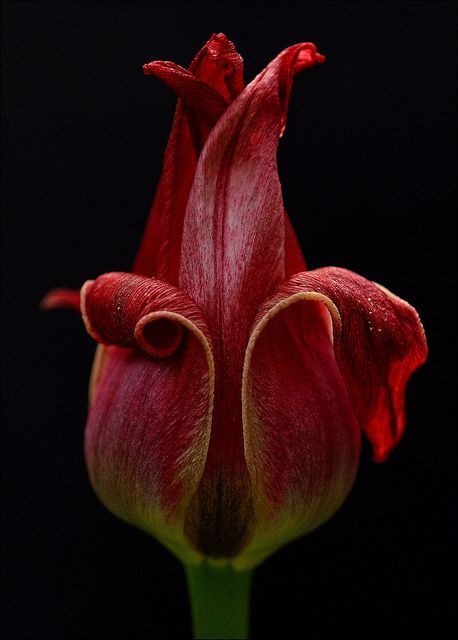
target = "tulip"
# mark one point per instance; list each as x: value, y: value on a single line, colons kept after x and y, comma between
x: 230, y: 386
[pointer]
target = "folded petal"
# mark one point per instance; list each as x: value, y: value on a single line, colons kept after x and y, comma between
x: 330, y: 352
x: 204, y: 106
x: 302, y: 440
x: 127, y: 310
x: 149, y: 423
x: 379, y: 342
x: 214, y: 78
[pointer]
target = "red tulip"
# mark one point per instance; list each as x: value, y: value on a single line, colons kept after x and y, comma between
x: 231, y: 385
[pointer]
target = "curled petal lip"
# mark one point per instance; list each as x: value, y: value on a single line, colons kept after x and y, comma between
x: 127, y: 310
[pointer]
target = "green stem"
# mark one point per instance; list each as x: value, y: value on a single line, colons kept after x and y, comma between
x: 220, y: 601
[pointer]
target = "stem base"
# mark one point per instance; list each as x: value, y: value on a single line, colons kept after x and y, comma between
x: 220, y: 601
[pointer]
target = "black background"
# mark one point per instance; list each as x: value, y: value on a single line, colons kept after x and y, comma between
x: 366, y: 168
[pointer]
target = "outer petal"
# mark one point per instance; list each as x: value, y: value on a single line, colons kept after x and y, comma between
x: 234, y: 233
x: 215, y: 77
x: 149, y: 425
x: 379, y: 341
x: 304, y: 395
x: 233, y: 254
x: 301, y: 436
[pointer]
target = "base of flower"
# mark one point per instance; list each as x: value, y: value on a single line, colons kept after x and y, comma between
x: 220, y: 601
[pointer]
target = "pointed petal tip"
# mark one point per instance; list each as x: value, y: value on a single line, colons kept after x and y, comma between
x: 219, y: 49
x: 155, y: 67
x: 149, y: 68
x: 308, y: 56
x: 220, y: 45
x: 219, y: 37
x: 61, y: 298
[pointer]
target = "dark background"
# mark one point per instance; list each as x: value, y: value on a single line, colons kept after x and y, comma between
x: 366, y: 167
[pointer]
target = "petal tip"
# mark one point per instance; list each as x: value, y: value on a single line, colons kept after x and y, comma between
x: 60, y: 299
x: 148, y: 68
x: 219, y: 45
x: 308, y: 57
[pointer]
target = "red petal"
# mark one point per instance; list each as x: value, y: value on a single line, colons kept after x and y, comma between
x: 303, y: 396
x: 302, y: 440
x: 127, y: 310
x: 233, y: 249
x: 233, y: 253
x: 204, y: 106
x: 149, y: 424
x: 378, y: 342
x: 61, y: 299
x: 220, y: 66
x: 215, y: 77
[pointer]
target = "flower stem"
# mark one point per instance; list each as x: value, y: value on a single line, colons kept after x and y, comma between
x: 220, y: 601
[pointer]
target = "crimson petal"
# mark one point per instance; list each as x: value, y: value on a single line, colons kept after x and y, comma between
x: 127, y: 310
x: 215, y: 77
x: 233, y: 247
x: 204, y: 106
x: 149, y: 424
x: 309, y: 385
x: 232, y: 255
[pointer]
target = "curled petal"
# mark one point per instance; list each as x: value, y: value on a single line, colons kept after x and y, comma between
x: 329, y: 354
x: 301, y: 437
x: 127, y: 310
x: 149, y: 423
x: 378, y: 343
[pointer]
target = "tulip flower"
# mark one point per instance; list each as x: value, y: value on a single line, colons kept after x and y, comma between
x: 231, y: 386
